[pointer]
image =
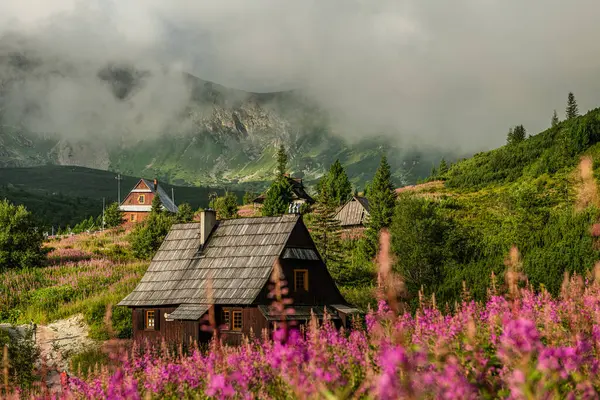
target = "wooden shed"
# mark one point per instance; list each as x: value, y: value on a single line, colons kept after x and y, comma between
x: 224, y: 268
x: 354, y: 214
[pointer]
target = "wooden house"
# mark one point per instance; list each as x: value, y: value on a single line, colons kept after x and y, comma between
x: 137, y: 204
x: 299, y: 194
x: 224, y: 268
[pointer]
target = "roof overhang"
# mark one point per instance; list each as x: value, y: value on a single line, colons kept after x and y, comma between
x: 188, y: 312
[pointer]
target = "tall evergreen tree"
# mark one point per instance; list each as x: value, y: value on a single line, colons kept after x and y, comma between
x: 443, y: 168
x: 282, y: 160
x: 572, y: 109
x: 382, y: 199
x: 326, y: 228
x: 555, y: 120
x: 516, y: 134
x: 337, y: 183
x: 433, y: 172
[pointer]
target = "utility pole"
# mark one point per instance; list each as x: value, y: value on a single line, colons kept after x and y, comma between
x: 119, y: 179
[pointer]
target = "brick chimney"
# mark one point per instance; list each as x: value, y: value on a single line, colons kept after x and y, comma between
x: 208, y: 220
x: 155, y: 184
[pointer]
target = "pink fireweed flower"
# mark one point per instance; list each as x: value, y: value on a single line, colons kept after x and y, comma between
x: 519, y: 338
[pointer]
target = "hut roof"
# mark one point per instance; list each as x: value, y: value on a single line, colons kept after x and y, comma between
x: 354, y: 212
x: 231, y: 268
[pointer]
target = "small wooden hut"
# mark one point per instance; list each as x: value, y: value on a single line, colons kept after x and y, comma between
x: 354, y: 214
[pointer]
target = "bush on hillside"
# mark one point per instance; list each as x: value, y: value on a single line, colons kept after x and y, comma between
x: 278, y: 199
x: 22, y: 356
x: 225, y: 206
x: 113, y: 216
x: 146, y: 237
x: 185, y: 213
x: 20, y: 239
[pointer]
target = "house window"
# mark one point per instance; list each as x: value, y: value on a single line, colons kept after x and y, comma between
x: 132, y: 217
x: 237, y: 320
x: 141, y: 199
x: 150, y: 319
x: 225, y: 318
x: 300, y: 279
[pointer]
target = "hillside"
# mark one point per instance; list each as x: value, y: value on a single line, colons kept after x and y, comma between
x: 216, y: 136
x: 539, y: 195
x: 61, y: 195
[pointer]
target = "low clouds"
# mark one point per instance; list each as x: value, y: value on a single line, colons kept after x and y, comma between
x: 452, y: 74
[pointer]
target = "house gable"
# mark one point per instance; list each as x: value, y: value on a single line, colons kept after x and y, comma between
x: 300, y: 256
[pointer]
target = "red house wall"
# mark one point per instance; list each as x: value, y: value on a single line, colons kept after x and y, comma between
x: 133, y: 199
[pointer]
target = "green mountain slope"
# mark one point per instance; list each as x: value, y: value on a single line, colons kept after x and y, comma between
x: 533, y: 195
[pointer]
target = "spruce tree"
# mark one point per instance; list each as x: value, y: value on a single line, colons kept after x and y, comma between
x: 433, y: 173
x: 443, y: 168
x: 382, y: 199
x: 510, y: 136
x: 572, y: 109
x: 337, y: 183
x: 516, y: 135
x: 156, y: 205
x: 282, y: 160
x: 326, y: 228
x: 555, y: 120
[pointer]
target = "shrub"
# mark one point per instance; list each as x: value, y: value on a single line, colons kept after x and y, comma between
x: 22, y: 356
x: 20, y: 238
x: 147, y: 236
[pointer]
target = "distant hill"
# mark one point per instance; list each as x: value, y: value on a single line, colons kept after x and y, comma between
x: 61, y: 195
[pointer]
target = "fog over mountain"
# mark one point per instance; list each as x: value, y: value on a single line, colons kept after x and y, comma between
x: 452, y: 74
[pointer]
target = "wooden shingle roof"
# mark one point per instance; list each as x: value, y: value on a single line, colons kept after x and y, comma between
x: 231, y: 268
x: 354, y: 213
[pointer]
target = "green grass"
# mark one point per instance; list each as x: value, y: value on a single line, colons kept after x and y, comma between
x: 83, y: 278
x: 89, y: 362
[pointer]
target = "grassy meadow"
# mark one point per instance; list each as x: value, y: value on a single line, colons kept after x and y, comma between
x: 85, y: 274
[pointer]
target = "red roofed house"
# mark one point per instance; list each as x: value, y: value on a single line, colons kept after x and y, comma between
x: 137, y: 204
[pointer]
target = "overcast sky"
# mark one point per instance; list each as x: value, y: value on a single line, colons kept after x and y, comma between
x: 452, y: 73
